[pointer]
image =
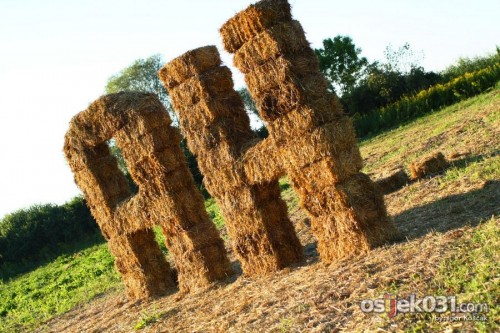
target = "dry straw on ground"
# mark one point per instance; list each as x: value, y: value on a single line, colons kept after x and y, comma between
x: 428, y: 165
x: 217, y: 128
x: 167, y: 195
x: 316, y: 141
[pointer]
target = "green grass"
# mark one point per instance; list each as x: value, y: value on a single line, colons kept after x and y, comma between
x: 30, y: 299
x: 404, y: 144
x: 150, y: 318
x: 487, y: 169
x: 472, y: 274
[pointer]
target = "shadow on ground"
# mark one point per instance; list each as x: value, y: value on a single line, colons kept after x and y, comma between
x: 452, y: 212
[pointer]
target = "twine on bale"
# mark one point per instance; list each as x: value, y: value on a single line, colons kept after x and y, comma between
x: 167, y: 195
x: 316, y: 141
x: 217, y: 128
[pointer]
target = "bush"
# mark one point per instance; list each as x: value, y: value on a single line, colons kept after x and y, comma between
x: 469, y: 65
x: 38, y: 233
x: 428, y: 100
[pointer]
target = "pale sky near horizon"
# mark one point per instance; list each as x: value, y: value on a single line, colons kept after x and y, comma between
x: 56, y: 56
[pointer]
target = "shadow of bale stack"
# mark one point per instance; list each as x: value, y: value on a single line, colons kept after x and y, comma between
x: 429, y: 165
x: 392, y: 181
x: 167, y: 195
x: 217, y: 128
x: 316, y: 140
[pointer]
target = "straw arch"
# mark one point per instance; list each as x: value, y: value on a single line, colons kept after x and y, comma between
x: 167, y: 195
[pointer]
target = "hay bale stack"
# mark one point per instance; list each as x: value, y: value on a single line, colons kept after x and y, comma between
x: 316, y: 140
x: 429, y: 165
x: 217, y: 128
x: 392, y: 181
x: 167, y: 195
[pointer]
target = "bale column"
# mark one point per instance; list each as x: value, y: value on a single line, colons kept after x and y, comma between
x: 217, y: 128
x: 316, y: 140
x: 167, y: 195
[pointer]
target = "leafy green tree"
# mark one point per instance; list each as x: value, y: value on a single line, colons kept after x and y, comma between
x: 341, y: 63
x: 142, y: 75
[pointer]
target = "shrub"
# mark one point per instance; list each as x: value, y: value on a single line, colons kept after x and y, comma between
x: 37, y: 233
x: 428, y: 100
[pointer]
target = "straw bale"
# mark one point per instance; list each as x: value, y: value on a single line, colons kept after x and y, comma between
x: 155, y: 276
x: 189, y: 64
x: 395, y: 180
x: 206, y: 111
x: 281, y: 70
x: 104, y: 182
x: 110, y: 113
x: 286, y: 38
x: 288, y: 95
x: 215, y: 82
x: 234, y: 130
x: 167, y: 194
x: 262, y: 162
x: 429, y: 165
x: 222, y: 177
x: 248, y: 197
x: 253, y: 20
x: 306, y: 117
x: 199, y: 251
x: 321, y: 174
x: 350, y: 218
x: 336, y: 140
x: 220, y: 142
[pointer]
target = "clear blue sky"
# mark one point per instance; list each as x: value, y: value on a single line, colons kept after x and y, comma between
x: 55, y: 58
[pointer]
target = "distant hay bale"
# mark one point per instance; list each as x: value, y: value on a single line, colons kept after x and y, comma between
x: 315, y: 141
x: 428, y: 165
x: 167, y: 195
x: 392, y: 182
x: 217, y: 128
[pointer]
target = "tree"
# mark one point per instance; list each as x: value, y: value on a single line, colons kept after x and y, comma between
x: 142, y: 75
x: 340, y: 62
x: 403, y: 59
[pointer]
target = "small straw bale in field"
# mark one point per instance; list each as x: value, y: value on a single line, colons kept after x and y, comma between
x: 167, y: 194
x: 189, y: 64
x: 284, y: 38
x: 253, y: 20
x: 429, y: 165
x: 219, y: 142
x: 262, y: 162
x: 393, y: 181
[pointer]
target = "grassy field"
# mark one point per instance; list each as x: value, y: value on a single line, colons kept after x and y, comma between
x: 450, y: 223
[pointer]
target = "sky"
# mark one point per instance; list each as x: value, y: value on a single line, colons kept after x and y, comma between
x: 56, y: 57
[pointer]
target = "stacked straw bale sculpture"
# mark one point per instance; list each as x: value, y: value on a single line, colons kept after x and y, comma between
x: 316, y: 141
x: 167, y: 195
x: 213, y: 119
